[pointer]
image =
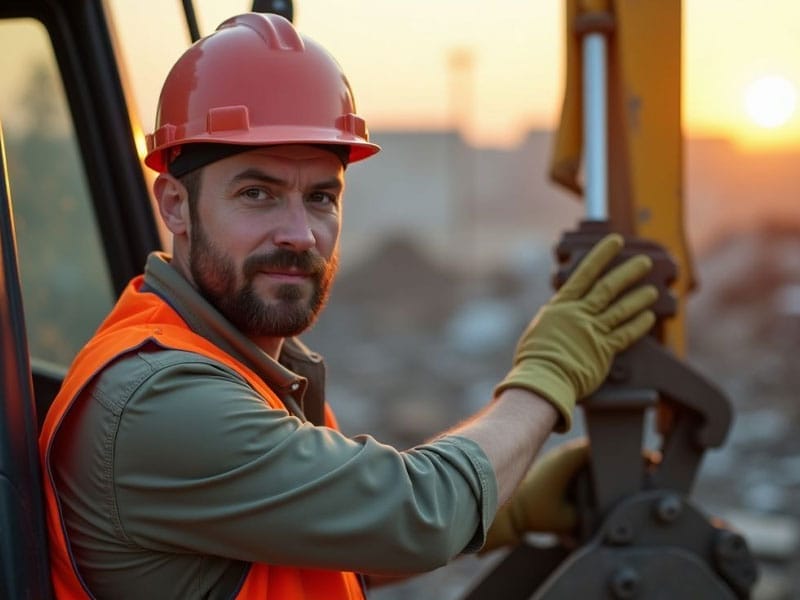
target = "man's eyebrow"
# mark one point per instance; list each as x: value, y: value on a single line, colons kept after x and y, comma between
x: 334, y: 183
x: 258, y: 175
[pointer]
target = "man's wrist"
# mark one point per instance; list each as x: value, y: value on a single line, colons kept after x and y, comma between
x: 543, y: 410
x: 546, y: 386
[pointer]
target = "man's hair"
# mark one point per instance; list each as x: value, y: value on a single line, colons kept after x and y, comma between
x: 191, y: 181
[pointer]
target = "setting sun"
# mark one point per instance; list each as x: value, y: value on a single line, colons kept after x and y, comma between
x: 770, y: 101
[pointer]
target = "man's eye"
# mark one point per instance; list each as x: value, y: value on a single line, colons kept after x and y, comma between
x: 255, y: 194
x: 322, y: 198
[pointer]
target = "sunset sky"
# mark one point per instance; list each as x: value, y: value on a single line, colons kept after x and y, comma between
x: 396, y: 55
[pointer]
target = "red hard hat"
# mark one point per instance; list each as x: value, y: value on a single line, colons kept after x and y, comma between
x: 256, y: 81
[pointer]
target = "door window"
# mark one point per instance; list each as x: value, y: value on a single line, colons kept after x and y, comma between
x: 66, y: 285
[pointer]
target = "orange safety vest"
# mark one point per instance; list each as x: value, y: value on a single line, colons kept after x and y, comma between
x: 139, y: 318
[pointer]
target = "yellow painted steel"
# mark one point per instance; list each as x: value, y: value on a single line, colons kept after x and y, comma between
x: 644, y: 127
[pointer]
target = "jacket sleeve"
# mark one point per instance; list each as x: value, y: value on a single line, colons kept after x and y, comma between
x: 202, y: 464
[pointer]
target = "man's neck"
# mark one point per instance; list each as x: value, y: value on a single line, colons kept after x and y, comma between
x: 270, y: 345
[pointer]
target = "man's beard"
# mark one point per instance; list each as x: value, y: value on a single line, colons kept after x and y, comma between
x: 287, y: 314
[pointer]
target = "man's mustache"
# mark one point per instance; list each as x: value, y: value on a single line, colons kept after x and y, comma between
x: 306, y: 262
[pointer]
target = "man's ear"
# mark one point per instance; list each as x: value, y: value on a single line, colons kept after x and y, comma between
x: 173, y: 203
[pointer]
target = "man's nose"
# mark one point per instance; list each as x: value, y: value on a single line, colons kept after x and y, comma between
x: 294, y: 229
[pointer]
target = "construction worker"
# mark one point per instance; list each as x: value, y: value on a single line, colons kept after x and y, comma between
x: 190, y: 454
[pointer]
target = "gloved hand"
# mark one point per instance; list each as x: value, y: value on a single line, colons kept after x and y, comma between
x: 540, y: 501
x: 566, y: 351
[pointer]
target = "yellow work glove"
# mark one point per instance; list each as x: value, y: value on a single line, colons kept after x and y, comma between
x: 567, y: 350
x: 540, y: 501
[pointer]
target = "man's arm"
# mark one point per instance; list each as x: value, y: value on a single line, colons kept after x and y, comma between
x: 201, y: 464
x: 511, y: 431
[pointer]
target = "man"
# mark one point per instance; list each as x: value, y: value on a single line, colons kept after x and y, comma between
x: 189, y: 453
